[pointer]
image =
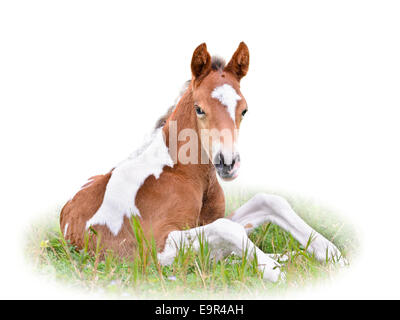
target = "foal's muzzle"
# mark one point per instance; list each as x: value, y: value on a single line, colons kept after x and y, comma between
x: 227, y: 167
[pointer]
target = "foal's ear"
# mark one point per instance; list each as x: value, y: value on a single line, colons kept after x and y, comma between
x: 239, y: 63
x: 201, y: 62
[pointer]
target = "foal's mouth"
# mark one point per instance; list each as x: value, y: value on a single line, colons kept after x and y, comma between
x: 229, y: 176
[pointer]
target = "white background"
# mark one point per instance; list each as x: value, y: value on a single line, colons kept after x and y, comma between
x: 82, y: 82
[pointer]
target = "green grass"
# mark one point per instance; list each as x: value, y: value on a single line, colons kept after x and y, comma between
x: 191, y: 275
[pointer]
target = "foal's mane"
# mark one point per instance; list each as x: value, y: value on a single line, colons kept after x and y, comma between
x: 217, y: 63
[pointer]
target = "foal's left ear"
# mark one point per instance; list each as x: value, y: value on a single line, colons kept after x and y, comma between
x: 239, y: 63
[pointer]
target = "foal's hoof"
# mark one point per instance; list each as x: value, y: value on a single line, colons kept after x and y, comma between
x: 324, y: 250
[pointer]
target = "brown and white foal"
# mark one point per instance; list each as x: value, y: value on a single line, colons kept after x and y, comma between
x: 171, y: 185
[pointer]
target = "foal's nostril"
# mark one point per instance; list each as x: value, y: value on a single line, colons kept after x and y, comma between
x: 220, y: 159
x: 233, y: 162
x: 221, y: 163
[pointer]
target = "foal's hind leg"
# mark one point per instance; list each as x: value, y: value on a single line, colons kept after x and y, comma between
x: 264, y: 208
x: 224, y: 237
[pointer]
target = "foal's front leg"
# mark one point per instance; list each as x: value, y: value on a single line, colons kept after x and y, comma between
x: 224, y: 237
x: 264, y: 208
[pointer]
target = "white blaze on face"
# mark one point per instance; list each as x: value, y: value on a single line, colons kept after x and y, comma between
x: 228, y: 97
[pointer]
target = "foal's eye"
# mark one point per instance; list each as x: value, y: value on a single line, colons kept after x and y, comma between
x: 244, y: 112
x: 199, y: 111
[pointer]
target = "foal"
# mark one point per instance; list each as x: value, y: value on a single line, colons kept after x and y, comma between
x: 171, y: 184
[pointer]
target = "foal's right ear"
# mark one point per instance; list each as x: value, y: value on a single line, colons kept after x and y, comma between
x: 201, y: 62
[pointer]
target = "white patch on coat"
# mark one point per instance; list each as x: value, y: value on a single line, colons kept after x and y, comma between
x: 65, y: 230
x: 228, y: 97
x: 127, y: 178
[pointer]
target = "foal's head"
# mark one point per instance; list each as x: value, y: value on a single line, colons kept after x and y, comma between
x: 219, y: 106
